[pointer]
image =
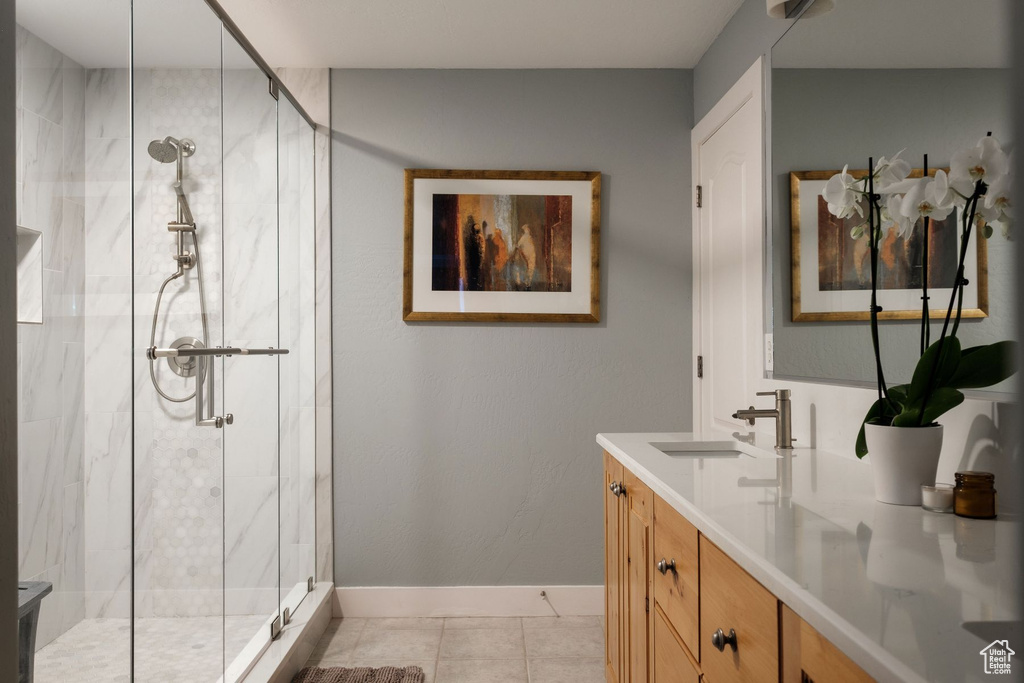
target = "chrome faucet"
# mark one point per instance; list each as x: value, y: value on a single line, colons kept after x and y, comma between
x: 783, y: 414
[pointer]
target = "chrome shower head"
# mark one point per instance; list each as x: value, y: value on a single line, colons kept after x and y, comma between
x: 165, y: 151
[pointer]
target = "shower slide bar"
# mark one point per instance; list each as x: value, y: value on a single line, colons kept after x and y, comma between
x: 206, y: 397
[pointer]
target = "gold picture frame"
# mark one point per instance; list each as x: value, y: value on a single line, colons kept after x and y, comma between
x: 810, y: 309
x: 460, y: 269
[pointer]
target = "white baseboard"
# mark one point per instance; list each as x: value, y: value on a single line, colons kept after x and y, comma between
x: 470, y: 601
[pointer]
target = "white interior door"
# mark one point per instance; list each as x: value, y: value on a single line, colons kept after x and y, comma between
x: 728, y: 254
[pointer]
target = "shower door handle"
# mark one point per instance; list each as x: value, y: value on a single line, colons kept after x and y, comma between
x: 206, y: 386
x: 212, y: 420
x: 153, y: 352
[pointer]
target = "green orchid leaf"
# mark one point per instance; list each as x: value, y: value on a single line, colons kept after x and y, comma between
x: 898, y: 394
x: 943, y: 370
x: 907, y: 418
x: 983, y: 366
x: 941, y: 401
x: 879, y: 413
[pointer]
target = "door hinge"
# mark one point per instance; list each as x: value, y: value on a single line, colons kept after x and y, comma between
x: 700, y: 367
x: 647, y: 605
x: 700, y: 196
x: 275, y: 628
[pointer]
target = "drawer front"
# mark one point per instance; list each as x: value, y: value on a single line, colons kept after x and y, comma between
x: 808, y: 656
x: 677, y: 591
x: 671, y: 662
x: 731, y: 600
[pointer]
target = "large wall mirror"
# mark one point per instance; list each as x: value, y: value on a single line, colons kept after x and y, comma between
x: 872, y: 78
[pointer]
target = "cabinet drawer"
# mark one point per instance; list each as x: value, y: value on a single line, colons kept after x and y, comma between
x: 731, y: 600
x: 671, y: 662
x: 677, y: 591
x: 808, y: 656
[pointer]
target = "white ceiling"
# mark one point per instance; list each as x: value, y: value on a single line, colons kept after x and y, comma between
x: 389, y: 33
x: 482, y: 33
x: 903, y: 34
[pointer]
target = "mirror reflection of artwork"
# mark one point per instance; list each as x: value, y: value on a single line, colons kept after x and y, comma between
x: 844, y: 263
x: 502, y: 243
x: 831, y: 268
x: 844, y: 86
x: 502, y: 246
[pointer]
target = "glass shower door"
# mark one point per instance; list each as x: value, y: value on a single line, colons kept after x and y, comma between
x: 207, y: 470
x: 252, y: 311
x: 298, y: 378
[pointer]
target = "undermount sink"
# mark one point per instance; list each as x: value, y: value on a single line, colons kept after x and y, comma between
x: 699, y: 449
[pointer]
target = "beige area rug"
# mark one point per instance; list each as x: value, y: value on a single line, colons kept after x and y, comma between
x: 337, y: 674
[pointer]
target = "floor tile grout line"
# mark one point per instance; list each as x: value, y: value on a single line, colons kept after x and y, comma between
x: 440, y: 643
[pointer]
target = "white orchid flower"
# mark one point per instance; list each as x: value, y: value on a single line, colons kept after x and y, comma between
x: 921, y: 201
x: 842, y: 195
x: 889, y: 172
x: 997, y: 199
x: 943, y: 194
x: 893, y: 218
x: 985, y: 162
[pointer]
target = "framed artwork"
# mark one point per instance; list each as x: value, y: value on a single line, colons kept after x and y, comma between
x: 502, y: 246
x: 831, y: 271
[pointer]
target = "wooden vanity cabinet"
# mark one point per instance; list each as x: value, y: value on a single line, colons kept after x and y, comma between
x: 614, y: 556
x: 807, y: 657
x: 747, y: 616
x: 662, y: 626
x: 677, y: 573
x: 639, y: 578
x: 629, y: 510
x: 672, y: 661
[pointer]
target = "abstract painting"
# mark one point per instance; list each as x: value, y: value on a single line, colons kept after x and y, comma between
x: 831, y: 270
x: 502, y: 246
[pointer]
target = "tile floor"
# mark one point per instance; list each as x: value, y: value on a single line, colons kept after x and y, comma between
x: 471, y: 650
x: 166, y: 649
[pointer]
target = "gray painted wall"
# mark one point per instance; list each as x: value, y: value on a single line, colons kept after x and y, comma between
x: 465, y: 453
x: 8, y: 350
x: 748, y: 35
x: 823, y: 119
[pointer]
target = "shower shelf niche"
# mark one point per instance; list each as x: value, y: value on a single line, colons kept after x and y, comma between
x: 30, y: 276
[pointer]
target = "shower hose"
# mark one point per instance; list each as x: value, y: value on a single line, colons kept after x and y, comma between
x: 200, y: 361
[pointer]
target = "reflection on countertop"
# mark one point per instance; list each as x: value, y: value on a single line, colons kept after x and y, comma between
x: 901, y: 590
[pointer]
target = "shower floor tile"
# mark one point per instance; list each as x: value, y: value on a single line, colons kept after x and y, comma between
x: 166, y: 650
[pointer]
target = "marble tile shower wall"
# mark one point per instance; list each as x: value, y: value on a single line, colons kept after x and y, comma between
x: 108, y: 342
x: 50, y: 104
x: 178, y: 466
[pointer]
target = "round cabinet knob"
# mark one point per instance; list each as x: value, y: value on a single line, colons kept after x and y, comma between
x: 666, y: 567
x: 720, y: 640
x: 614, y: 487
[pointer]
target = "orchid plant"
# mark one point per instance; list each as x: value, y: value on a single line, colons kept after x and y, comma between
x: 978, y: 184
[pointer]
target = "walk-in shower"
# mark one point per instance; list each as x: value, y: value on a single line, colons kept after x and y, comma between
x: 167, y: 401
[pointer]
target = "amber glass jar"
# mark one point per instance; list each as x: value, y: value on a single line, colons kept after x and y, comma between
x: 975, y: 495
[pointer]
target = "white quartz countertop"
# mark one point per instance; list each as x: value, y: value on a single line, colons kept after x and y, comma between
x: 899, y: 589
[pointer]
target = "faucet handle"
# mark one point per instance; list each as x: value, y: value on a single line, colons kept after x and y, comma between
x: 782, y: 394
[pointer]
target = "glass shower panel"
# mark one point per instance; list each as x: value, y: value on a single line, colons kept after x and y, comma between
x: 74, y: 333
x: 178, y: 280
x: 252, y: 466
x: 298, y: 407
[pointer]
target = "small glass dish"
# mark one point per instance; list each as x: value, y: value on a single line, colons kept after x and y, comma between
x: 937, y: 497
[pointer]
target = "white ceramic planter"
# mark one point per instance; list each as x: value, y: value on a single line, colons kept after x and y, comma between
x: 903, y: 458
